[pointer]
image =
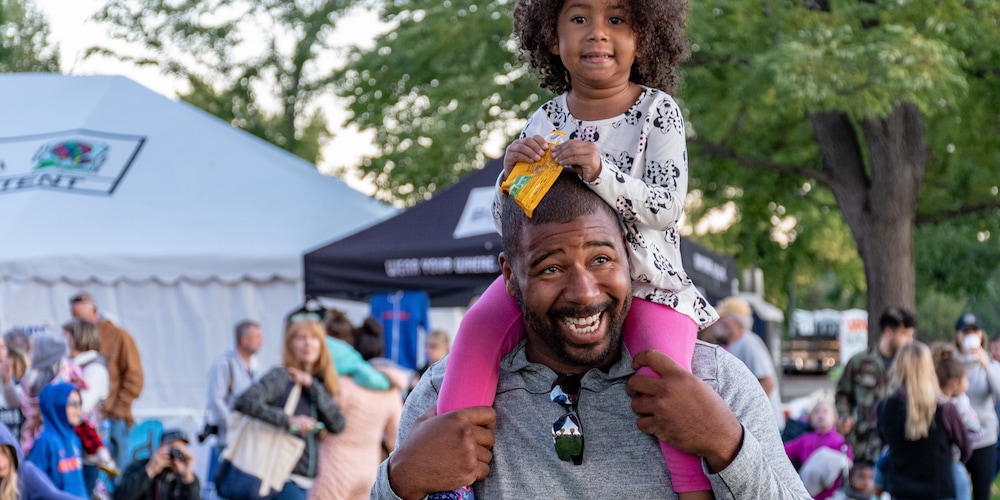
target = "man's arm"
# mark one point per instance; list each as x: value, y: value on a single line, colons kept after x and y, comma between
x: 218, y: 390
x: 767, y: 383
x: 844, y: 397
x: 730, y: 424
x: 130, y: 379
x: 134, y: 482
x: 435, y: 452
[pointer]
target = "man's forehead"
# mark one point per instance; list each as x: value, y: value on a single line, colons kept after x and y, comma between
x: 594, y: 229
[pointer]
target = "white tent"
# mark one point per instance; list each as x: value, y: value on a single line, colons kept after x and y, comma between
x: 177, y: 223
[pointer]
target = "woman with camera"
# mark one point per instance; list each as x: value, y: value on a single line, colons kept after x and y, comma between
x: 168, y: 474
x: 307, y: 364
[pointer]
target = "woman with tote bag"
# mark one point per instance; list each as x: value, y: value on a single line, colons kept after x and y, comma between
x: 308, y: 375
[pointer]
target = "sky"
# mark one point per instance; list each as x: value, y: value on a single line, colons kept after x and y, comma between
x: 72, y: 28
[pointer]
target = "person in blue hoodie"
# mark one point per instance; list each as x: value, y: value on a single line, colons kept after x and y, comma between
x: 32, y: 483
x: 57, y: 452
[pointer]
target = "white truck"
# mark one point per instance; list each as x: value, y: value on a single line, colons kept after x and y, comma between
x: 823, y: 339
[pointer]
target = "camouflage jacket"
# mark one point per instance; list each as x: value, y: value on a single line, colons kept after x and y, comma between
x: 861, y: 387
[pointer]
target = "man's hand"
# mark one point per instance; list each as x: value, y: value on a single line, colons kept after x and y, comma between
x: 581, y: 156
x: 184, y: 468
x: 443, y: 452
x: 526, y: 150
x: 158, y: 461
x: 684, y: 411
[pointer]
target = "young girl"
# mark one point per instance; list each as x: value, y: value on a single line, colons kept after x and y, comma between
x: 612, y: 64
x: 953, y: 377
x: 823, y: 435
x: 57, y: 451
x: 20, y: 479
x: 919, y: 427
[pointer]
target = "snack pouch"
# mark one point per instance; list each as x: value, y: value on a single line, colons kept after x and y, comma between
x: 528, y: 182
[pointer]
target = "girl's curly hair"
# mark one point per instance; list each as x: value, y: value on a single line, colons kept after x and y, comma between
x: 659, y: 40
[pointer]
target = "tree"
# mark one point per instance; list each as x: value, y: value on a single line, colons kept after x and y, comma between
x: 438, y: 90
x: 862, y: 98
x: 253, y: 63
x: 882, y: 112
x: 24, y: 39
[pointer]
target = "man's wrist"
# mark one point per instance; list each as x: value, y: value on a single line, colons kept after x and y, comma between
x: 725, y: 452
x: 399, y: 489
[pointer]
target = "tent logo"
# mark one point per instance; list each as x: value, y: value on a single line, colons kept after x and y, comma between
x: 75, y: 155
x: 78, y: 161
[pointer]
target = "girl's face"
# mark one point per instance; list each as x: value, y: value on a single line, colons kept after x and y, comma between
x: 823, y: 417
x: 596, y: 43
x: 5, y: 461
x: 305, y: 347
x: 73, y: 410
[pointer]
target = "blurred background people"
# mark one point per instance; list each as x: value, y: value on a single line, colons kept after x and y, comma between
x: 21, y: 479
x: 953, y: 378
x: 864, y: 380
x: 826, y: 467
x: 349, y: 460
x: 340, y: 342
x: 305, y: 362
x: 983, y: 392
x: 124, y: 370
x: 168, y: 473
x: 859, y: 484
x: 734, y: 331
x: 57, y: 452
x: 231, y: 374
x: 919, y: 427
x: 84, y: 340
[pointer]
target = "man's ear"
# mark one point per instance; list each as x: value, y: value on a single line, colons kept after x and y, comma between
x: 507, y: 274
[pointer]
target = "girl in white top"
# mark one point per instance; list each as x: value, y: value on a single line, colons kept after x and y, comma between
x: 609, y: 62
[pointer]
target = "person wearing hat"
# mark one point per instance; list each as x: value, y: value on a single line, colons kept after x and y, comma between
x: 864, y: 380
x: 168, y: 474
x: 735, y: 322
x: 983, y: 392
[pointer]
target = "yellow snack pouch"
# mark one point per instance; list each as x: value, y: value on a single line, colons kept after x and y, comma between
x: 528, y: 182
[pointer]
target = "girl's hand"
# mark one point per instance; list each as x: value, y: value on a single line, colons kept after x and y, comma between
x: 582, y: 156
x: 300, y: 377
x: 302, y: 423
x: 526, y: 150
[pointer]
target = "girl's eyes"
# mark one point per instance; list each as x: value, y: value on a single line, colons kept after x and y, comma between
x: 578, y: 19
x: 616, y: 20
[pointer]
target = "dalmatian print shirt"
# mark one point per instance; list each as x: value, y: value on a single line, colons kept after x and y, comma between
x: 644, y: 177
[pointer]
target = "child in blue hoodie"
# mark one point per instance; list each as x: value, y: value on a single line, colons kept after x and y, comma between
x: 31, y: 483
x: 57, y: 451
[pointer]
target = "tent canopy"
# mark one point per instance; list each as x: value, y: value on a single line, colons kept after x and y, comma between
x: 178, y: 224
x: 104, y: 180
x: 448, y: 246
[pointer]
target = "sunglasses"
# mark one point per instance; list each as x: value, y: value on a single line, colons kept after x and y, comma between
x: 567, y: 433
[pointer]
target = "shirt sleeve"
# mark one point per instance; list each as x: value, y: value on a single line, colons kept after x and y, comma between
x: 956, y: 430
x: 218, y: 388
x: 761, y: 469
x: 652, y: 194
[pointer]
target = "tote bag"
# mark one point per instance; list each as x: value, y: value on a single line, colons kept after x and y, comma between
x: 259, y: 457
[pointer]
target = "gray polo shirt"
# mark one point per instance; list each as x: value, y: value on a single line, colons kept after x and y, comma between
x: 619, y: 460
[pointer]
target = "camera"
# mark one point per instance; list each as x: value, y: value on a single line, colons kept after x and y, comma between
x: 177, y: 454
x: 209, y: 430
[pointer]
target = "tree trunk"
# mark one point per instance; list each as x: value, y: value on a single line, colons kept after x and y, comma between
x: 879, y: 208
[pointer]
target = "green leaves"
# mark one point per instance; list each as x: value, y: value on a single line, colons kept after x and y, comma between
x: 24, y: 39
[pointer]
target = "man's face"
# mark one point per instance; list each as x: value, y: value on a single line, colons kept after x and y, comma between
x: 252, y: 340
x: 995, y: 348
x: 899, y: 337
x: 84, y: 310
x: 572, y: 284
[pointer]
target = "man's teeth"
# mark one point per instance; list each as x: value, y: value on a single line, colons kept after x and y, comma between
x: 583, y: 325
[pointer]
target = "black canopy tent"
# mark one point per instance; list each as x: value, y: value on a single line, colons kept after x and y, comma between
x: 448, y: 247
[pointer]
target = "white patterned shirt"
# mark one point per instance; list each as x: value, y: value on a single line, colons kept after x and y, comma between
x: 644, y: 176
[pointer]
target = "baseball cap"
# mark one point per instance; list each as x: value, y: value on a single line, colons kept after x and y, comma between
x: 967, y: 321
x: 734, y: 305
x: 174, y: 435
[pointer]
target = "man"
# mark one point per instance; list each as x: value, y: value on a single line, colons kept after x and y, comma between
x: 863, y: 383
x: 735, y: 323
x: 124, y: 370
x: 569, y: 271
x: 229, y: 376
x: 168, y: 473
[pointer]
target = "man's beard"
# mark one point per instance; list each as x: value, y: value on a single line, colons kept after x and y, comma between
x: 548, y: 330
